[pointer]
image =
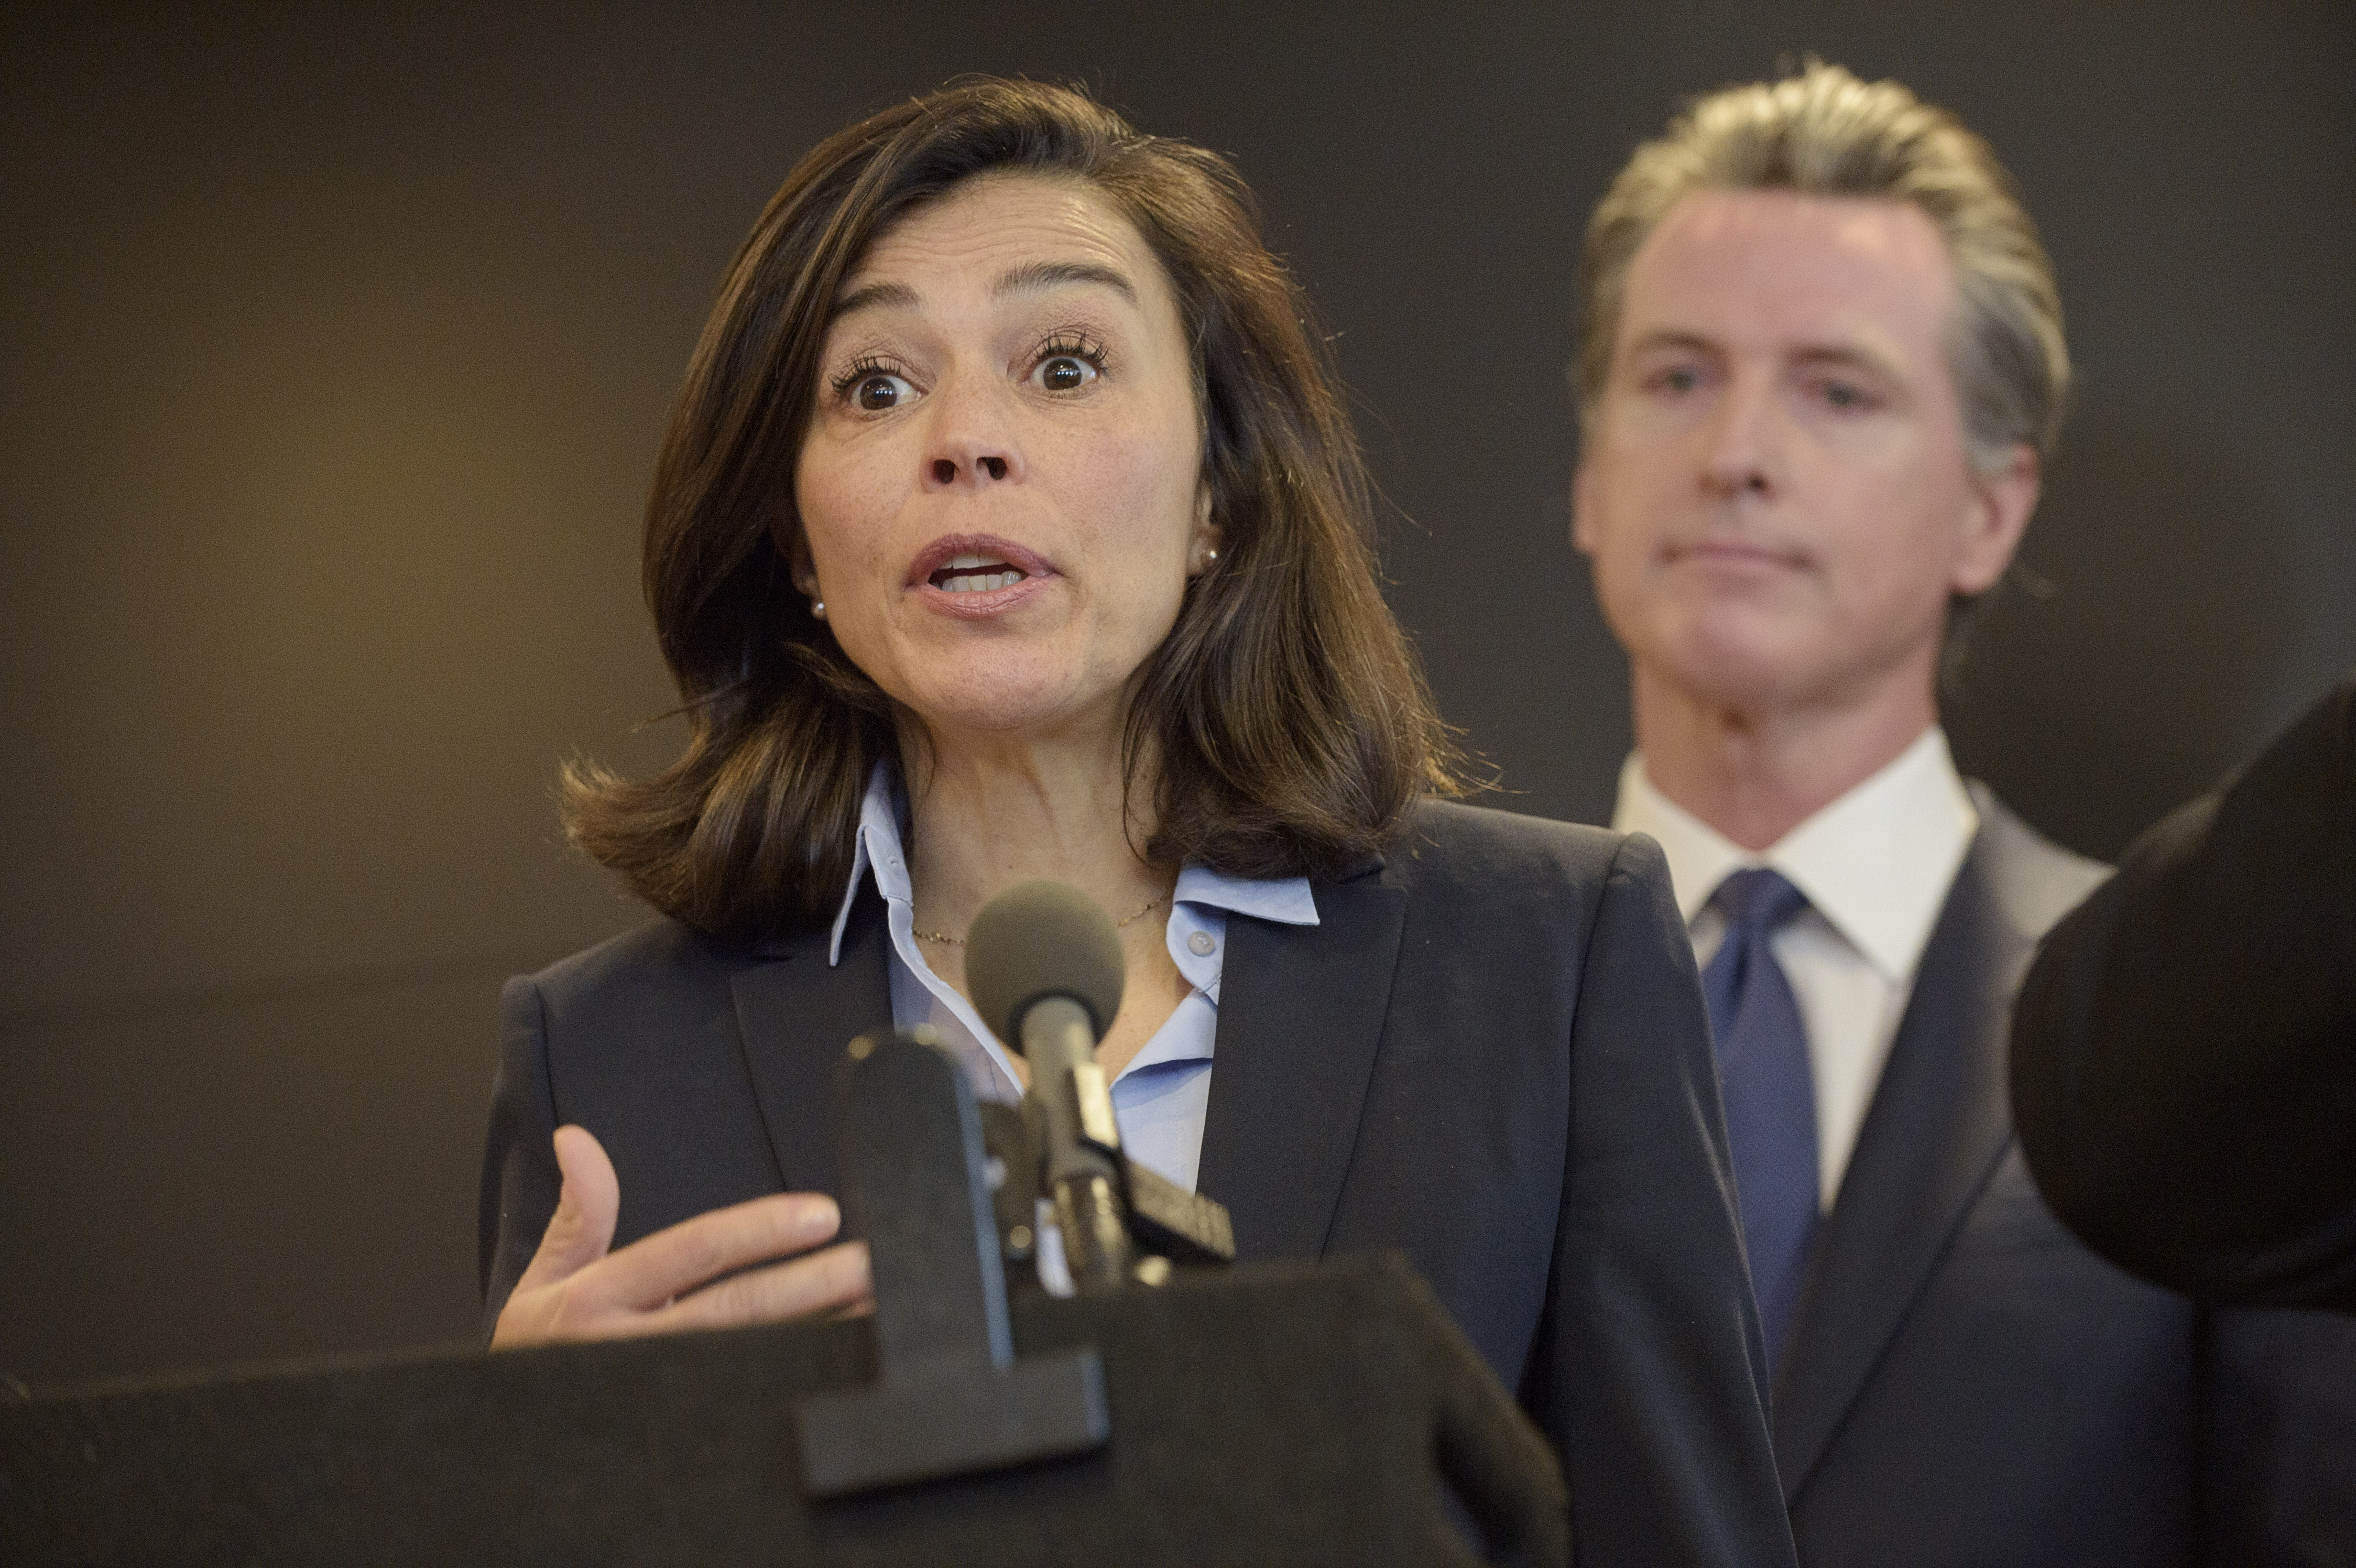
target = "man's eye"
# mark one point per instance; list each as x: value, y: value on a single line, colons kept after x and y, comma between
x: 1065, y: 373
x: 877, y: 392
x: 1841, y: 395
x: 1678, y: 379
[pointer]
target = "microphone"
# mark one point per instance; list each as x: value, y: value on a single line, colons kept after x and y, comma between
x: 1046, y: 971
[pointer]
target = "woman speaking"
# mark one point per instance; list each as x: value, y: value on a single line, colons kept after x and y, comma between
x: 1008, y: 527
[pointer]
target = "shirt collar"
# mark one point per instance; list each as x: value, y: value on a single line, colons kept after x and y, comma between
x: 876, y: 846
x: 1875, y: 863
x: 1284, y: 900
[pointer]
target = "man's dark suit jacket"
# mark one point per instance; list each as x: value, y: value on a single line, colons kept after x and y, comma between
x: 2184, y: 1064
x: 1968, y: 1384
x: 1489, y: 1053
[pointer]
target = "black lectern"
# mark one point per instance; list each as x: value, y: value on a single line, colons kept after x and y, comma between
x: 1294, y: 1414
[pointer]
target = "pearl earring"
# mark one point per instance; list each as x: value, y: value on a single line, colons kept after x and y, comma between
x: 817, y: 609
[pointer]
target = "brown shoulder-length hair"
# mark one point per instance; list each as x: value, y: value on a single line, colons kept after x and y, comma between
x: 1284, y: 722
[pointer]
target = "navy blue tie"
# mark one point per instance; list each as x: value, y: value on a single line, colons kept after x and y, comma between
x: 1770, y: 1098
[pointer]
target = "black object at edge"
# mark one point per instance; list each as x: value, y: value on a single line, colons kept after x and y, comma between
x: 949, y: 1397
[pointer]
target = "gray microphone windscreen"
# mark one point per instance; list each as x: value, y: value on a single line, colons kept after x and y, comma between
x: 1042, y: 939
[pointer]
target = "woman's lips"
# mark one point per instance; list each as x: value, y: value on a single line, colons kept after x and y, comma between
x: 974, y: 576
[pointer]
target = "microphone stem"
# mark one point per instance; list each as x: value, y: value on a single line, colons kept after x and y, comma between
x: 1097, y: 1248
x: 1081, y: 1144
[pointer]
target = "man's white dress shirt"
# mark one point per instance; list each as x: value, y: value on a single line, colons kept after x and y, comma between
x: 1875, y: 866
x: 1160, y: 1099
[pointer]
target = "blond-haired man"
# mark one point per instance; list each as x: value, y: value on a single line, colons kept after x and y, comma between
x: 1822, y: 366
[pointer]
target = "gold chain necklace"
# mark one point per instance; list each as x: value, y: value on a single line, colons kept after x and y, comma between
x: 1148, y: 907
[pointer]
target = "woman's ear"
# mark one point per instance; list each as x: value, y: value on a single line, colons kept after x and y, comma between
x: 1203, y: 545
x: 786, y: 533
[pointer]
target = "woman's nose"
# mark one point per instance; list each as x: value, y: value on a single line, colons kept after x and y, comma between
x: 989, y: 465
x: 973, y: 441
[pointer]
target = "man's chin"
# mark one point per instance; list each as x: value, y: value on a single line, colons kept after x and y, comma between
x: 1741, y: 660
x: 1763, y: 676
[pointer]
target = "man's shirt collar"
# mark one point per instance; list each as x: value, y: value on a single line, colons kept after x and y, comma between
x: 1875, y: 863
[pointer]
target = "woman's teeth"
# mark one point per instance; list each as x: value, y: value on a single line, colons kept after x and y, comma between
x: 961, y: 576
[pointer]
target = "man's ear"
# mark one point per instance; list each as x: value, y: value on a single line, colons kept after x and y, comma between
x: 1996, y: 515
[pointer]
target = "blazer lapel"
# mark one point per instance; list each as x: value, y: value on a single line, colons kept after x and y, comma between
x: 1937, y: 1127
x: 1300, y: 1013
x: 795, y: 1014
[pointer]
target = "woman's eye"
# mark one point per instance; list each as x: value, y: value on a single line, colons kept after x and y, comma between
x: 877, y: 391
x: 1676, y: 380
x: 1065, y: 373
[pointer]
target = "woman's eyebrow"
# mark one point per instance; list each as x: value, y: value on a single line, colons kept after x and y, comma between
x: 874, y: 296
x: 1029, y: 278
x: 1033, y: 276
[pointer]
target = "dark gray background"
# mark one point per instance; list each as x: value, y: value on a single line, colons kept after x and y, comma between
x: 334, y: 350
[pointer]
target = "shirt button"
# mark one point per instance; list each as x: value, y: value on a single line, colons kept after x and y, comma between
x: 1201, y: 944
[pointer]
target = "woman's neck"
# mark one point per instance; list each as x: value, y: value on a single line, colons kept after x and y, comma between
x: 989, y: 814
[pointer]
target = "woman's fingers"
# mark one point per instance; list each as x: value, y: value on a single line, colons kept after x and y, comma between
x: 831, y: 1281
x: 699, y: 1273
x: 582, y: 1226
x: 652, y: 1271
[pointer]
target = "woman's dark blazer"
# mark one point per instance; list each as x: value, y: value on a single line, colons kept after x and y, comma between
x: 1490, y: 1054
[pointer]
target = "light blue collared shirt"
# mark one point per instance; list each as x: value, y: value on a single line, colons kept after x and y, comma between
x: 1161, y: 1097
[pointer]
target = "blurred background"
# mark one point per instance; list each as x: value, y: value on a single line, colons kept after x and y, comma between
x: 335, y: 345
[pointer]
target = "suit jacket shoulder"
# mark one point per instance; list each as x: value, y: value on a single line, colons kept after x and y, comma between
x: 2032, y: 880
x: 1529, y: 880
x: 631, y: 979
x: 1445, y: 844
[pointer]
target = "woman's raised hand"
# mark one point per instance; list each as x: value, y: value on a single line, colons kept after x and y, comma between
x: 671, y: 1281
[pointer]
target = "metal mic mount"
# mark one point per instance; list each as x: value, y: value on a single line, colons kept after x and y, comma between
x: 1070, y: 1109
x: 1131, y: 1224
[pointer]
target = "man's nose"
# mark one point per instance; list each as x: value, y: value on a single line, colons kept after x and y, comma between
x: 973, y: 441
x: 1744, y: 438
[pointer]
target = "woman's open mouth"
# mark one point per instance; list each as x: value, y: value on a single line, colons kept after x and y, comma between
x: 976, y: 575
x: 972, y: 573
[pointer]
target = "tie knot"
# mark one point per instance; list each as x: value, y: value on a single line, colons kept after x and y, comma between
x: 1757, y: 901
